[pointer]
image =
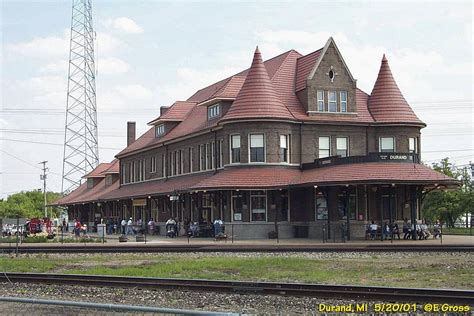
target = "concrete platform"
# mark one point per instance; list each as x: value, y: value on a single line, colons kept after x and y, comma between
x: 113, y: 240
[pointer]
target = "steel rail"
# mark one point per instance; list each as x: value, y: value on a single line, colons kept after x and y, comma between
x: 140, y: 248
x: 392, y: 294
x: 111, y: 307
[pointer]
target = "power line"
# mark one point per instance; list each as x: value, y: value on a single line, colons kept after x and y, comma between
x: 46, y: 143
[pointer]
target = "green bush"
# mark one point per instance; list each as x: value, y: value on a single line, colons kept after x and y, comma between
x: 35, y: 239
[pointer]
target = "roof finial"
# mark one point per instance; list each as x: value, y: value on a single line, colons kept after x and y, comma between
x: 384, y: 58
x: 257, y: 51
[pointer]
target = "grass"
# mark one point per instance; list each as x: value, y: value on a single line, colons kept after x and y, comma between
x: 408, y: 270
x: 458, y: 231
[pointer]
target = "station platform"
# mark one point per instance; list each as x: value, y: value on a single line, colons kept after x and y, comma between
x: 113, y: 240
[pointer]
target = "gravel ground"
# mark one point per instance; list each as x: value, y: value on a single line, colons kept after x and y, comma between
x: 205, y: 301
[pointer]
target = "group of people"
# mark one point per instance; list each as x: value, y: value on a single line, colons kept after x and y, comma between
x: 391, y: 229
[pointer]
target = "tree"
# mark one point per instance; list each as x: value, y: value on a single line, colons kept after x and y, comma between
x: 449, y: 206
x: 27, y: 204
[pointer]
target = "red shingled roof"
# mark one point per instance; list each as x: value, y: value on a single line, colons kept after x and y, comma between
x: 305, y: 64
x: 99, y: 170
x: 257, y: 98
x: 265, y: 177
x: 114, y: 167
x: 262, y: 177
x: 176, y: 113
x: 85, y: 195
x: 386, y: 103
x: 373, y: 172
x: 286, y: 74
x: 144, y: 189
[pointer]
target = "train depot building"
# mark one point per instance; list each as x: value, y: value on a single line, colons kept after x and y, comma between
x: 290, y: 144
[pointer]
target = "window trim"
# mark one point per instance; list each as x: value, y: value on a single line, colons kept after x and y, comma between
x: 330, y: 102
x: 249, y: 140
x: 347, y: 145
x: 320, y: 100
x: 319, y: 146
x: 216, y: 107
x: 342, y: 102
x: 266, y: 205
x: 415, y: 144
x: 231, y: 160
x: 394, y: 144
x: 159, y: 130
x: 287, y: 136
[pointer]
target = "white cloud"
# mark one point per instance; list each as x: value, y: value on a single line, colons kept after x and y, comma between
x: 55, y: 67
x: 58, y: 46
x: 111, y: 66
x: 123, y: 24
x: 41, y: 47
x: 124, y: 97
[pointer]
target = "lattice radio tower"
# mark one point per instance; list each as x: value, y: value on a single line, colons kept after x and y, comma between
x: 81, y: 153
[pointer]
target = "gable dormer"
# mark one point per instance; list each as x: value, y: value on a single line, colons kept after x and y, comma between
x: 171, y: 116
x: 329, y: 87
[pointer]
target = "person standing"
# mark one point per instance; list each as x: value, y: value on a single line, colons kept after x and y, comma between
x: 129, y: 230
x: 64, y: 225
x: 123, y: 224
x: 151, y: 226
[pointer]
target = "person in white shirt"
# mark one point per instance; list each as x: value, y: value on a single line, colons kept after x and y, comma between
x: 373, y: 230
x: 129, y: 230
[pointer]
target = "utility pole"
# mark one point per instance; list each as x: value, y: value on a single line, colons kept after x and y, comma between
x: 43, y: 177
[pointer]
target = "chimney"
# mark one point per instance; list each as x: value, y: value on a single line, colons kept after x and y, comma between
x: 131, y: 127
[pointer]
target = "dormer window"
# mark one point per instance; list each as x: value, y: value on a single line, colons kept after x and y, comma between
x: 159, y: 130
x: 213, y: 111
x: 90, y: 183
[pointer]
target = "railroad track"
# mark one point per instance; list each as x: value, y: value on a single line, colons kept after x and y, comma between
x: 386, y: 294
x: 139, y: 248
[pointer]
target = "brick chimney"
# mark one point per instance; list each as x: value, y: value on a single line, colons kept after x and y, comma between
x: 131, y: 128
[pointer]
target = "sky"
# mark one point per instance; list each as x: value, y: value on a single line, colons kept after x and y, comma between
x: 152, y: 53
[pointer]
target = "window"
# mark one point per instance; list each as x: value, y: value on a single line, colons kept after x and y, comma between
x: 171, y: 164
x: 159, y: 130
x: 412, y: 145
x: 237, y: 205
x: 346, y: 204
x: 341, y: 146
x: 284, y: 206
x: 343, y: 96
x: 284, y: 145
x: 90, y: 183
x: 122, y: 173
x: 153, y: 164
x: 321, y: 105
x: 257, y: 148
x: 258, y: 206
x: 387, y: 144
x: 213, y: 157
x: 324, y: 146
x: 202, y: 157
x: 181, y: 162
x: 177, y: 162
x: 208, y: 156
x: 220, y: 157
x: 163, y: 165
x: 213, y: 111
x: 321, y: 206
x: 234, y: 148
x: 134, y: 171
x: 191, y: 159
x: 332, y: 101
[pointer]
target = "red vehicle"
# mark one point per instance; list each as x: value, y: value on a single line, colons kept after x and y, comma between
x: 36, y: 225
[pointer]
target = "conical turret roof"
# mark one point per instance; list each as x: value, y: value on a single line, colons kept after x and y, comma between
x: 386, y: 102
x: 257, y: 98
